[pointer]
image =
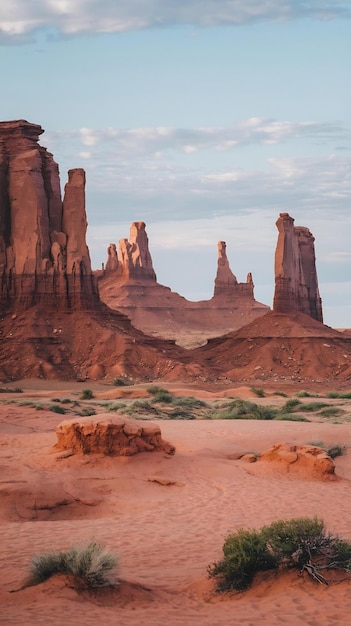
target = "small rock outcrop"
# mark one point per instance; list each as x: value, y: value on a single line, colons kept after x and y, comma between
x: 305, y: 461
x: 110, y: 435
x: 296, y: 283
x: 43, y: 254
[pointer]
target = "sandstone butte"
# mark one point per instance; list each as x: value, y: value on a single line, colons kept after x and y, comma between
x: 128, y: 283
x: 54, y: 325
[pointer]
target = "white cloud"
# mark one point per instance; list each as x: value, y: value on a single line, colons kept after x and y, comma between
x: 19, y: 19
x: 260, y: 131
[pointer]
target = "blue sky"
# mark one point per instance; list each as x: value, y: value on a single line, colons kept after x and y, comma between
x: 203, y: 119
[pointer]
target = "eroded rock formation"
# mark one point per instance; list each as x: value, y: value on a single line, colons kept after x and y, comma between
x: 129, y: 284
x: 304, y: 461
x: 43, y: 254
x: 296, y: 283
x: 110, y: 435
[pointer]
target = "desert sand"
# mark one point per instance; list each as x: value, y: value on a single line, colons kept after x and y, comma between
x: 166, y: 517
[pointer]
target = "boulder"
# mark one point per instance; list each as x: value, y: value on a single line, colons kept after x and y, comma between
x: 304, y: 461
x: 110, y: 435
x: 296, y: 283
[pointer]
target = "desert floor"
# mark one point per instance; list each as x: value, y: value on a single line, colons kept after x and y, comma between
x: 165, y: 517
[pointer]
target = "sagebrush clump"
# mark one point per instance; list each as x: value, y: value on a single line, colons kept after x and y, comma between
x: 300, y: 543
x: 91, y: 565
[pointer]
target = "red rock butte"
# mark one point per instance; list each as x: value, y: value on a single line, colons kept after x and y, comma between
x: 296, y: 283
x: 43, y: 253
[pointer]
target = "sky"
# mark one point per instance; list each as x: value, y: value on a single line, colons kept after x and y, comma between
x: 204, y: 119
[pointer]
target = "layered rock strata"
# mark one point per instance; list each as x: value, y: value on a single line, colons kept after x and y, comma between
x: 43, y: 254
x: 110, y: 435
x: 129, y: 284
x: 296, y: 283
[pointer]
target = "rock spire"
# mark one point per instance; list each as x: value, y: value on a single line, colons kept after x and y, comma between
x: 296, y: 283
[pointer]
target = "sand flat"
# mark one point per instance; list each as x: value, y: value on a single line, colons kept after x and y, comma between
x: 166, y: 518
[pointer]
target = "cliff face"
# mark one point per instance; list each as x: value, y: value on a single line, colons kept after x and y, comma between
x: 296, y: 283
x: 43, y: 255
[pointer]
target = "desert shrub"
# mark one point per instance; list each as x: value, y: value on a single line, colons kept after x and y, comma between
x: 181, y: 414
x: 242, y: 409
x: 87, y: 411
x: 300, y: 543
x: 294, y: 541
x: 87, y: 394
x: 245, y: 553
x: 280, y: 393
x: 156, y: 389
x: 66, y: 401
x: 345, y: 396
x: 305, y: 394
x: 11, y: 390
x: 291, y: 417
x: 258, y: 391
x: 115, y: 406
x: 312, y: 407
x: 334, y: 450
x: 189, y: 401
x: 163, y: 397
x: 333, y: 394
x: 291, y: 405
x: 331, y: 411
x: 119, y: 382
x: 91, y: 565
x: 56, y: 408
x: 56, y: 399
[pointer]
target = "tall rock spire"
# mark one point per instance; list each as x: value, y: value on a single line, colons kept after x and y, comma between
x: 296, y: 283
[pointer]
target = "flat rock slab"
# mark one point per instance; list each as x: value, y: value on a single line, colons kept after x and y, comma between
x: 110, y: 435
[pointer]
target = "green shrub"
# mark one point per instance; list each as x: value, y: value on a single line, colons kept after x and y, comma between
x: 334, y: 450
x: 333, y: 394
x: 87, y: 394
x: 66, y: 401
x: 258, y: 391
x: 291, y: 417
x: 189, y: 401
x: 156, y: 389
x: 291, y: 405
x: 87, y: 411
x: 294, y: 541
x: 312, y: 407
x: 242, y: 409
x: 299, y: 543
x: 345, y: 396
x: 163, y: 396
x: 56, y: 408
x: 11, y: 390
x: 119, y: 382
x: 304, y: 394
x: 280, y: 393
x: 245, y: 553
x: 331, y: 411
x: 91, y: 565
